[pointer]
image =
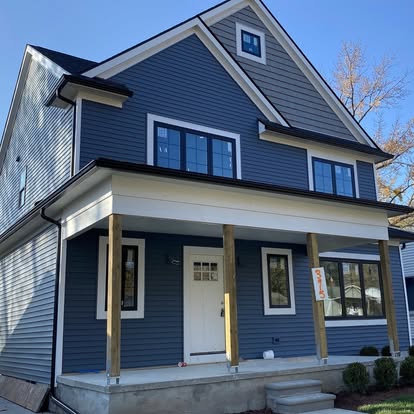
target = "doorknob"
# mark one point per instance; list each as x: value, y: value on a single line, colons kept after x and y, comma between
x: 222, y: 312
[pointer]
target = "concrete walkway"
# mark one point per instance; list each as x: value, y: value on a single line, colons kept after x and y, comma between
x: 7, y: 407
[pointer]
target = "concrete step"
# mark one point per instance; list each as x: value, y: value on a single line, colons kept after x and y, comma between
x: 301, y: 403
x: 287, y: 388
x: 332, y: 411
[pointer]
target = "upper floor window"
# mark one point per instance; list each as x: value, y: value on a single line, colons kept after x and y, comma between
x: 22, y: 187
x: 250, y: 43
x: 354, y: 289
x: 333, y: 177
x: 194, y: 151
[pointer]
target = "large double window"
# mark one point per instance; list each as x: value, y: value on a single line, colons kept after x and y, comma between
x: 333, y: 177
x: 354, y: 289
x: 194, y: 151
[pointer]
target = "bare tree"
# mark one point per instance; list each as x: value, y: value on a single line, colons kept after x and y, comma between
x: 367, y: 89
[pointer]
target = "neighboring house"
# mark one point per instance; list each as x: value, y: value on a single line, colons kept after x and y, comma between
x: 407, y: 252
x: 218, y: 125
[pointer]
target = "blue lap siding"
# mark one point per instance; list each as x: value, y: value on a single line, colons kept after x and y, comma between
x: 158, y: 338
x: 185, y: 82
x: 366, y: 180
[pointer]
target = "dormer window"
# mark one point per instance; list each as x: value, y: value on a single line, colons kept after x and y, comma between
x: 250, y: 43
x: 333, y: 177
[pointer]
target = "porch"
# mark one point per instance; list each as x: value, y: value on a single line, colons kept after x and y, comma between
x: 201, y: 389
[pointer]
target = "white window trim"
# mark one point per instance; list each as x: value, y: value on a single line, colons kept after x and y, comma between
x: 100, y: 305
x: 240, y: 52
x: 355, y: 322
x: 352, y: 256
x: 151, y: 119
x: 267, y: 309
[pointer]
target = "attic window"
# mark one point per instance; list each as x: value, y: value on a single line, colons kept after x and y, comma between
x: 250, y: 43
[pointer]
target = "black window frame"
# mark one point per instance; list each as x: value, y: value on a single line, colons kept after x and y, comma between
x: 123, y: 258
x: 360, y: 263
x: 183, y: 157
x: 289, y: 304
x: 242, y: 32
x: 333, y: 175
x: 22, y: 189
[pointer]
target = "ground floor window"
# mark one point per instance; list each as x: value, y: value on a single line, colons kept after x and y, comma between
x: 132, y: 273
x: 278, y: 289
x: 354, y: 289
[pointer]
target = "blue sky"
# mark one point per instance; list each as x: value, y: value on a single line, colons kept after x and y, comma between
x: 96, y: 30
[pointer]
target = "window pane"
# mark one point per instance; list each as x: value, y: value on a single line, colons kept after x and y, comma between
x: 352, y: 287
x: 222, y: 158
x: 168, y: 148
x: 373, y: 296
x: 323, y: 177
x: 129, y: 277
x: 196, y: 153
x: 332, y: 305
x: 278, y: 280
x: 251, y: 43
x: 343, y: 179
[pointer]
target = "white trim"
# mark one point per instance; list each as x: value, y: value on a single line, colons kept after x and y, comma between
x: 78, y: 129
x: 333, y: 157
x: 151, y: 118
x: 265, y: 278
x: 352, y: 256
x: 261, y: 35
x: 355, y: 322
x: 61, y: 309
x: 100, y: 303
x: 187, y: 252
x: 405, y: 296
x: 165, y: 40
x: 224, y: 10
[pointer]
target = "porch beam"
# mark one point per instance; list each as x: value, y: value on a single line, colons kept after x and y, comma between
x: 113, y: 320
x: 389, y: 297
x: 230, y: 298
x: 317, y: 306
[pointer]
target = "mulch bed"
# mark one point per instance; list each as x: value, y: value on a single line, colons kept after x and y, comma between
x: 351, y: 401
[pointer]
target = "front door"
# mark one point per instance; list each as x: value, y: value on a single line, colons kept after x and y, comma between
x: 203, y: 305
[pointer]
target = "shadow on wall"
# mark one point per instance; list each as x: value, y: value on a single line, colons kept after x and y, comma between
x: 27, y: 282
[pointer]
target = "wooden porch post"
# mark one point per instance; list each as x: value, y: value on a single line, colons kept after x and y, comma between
x: 389, y: 297
x: 230, y: 299
x: 317, y: 306
x: 113, y: 319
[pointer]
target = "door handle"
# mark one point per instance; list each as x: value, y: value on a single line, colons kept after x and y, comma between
x: 222, y: 312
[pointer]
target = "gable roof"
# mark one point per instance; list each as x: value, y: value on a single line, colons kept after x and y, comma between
x: 70, y: 63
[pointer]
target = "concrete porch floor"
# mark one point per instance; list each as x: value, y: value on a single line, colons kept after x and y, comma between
x: 201, y: 389
x: 170, y: 376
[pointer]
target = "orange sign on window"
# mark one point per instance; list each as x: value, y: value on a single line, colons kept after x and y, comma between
x: 319, y: 283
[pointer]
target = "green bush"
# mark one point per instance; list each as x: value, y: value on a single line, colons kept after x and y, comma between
x: 369, y: 351
x: 386, y: 351
x: 411, y: 350
x: 385, y: 373
x: 407, y: 371
x: 356, y: 377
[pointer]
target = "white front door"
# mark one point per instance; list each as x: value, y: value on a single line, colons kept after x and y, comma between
x: 203, y: 305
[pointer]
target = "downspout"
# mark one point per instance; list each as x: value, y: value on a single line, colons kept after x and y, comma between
x: 73, y: 104
x: 52, y: 396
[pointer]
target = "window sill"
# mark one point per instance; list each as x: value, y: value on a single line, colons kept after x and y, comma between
x: 138, y: 314
x: 279, y: 311
x: 355, y: 322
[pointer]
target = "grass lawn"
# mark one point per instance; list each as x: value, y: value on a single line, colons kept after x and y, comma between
x: 400, y: 405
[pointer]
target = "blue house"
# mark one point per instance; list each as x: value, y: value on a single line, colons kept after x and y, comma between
x: 407, y: 253
x: 168, y: 204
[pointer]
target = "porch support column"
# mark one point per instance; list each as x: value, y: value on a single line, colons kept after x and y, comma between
x: 113, y: 319
x: 389, y: 298
x: 317, y: 306
x: 230, y: 299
